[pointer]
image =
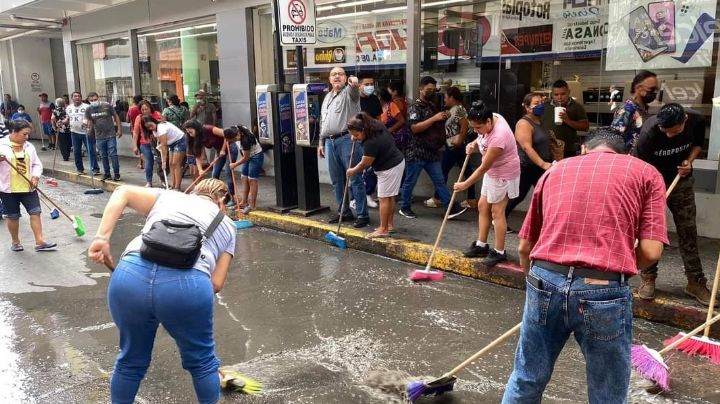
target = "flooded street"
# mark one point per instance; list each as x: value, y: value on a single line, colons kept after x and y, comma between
x: 314, y: 323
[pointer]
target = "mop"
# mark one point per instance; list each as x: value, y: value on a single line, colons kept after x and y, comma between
x: 428, y: 274
x: 77, y: 222
x: 240, y: 223
x: 703, y: 346
x: 649, y: 362
x: 334, y: 238
x: 446, y: 382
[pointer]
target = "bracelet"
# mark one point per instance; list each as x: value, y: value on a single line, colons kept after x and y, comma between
x: 103, y: 238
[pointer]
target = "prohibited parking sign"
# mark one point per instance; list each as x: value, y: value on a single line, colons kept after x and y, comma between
x: 297, y: 22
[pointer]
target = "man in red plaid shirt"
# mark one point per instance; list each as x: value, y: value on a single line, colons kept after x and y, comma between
x: 580, y: 232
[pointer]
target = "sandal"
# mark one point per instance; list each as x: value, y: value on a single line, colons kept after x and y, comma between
x: 377, y: 234
x: 390, y: 231
x: 46, y: 246
x: 16, y: 247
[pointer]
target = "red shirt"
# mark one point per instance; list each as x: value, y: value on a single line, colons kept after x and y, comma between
x: 587, y: 211
x: 133, y: 113
x: 211, y: 141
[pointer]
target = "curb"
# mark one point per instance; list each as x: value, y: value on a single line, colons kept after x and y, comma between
x: 664, y: 309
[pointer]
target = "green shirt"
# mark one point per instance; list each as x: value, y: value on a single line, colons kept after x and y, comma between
x: 575, y: 112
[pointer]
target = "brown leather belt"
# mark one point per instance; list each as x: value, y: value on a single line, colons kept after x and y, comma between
x: 581, y: 272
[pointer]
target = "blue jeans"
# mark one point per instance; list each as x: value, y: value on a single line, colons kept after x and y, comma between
x: 108, y: 152
x: 142, y: 295
x: 149, y: 157
x: 337, y: 152
x: 599, y: 316
x: 456, y: 157
x: 413, y: 168
x: 222, y: 163
x: 252, y: 167
x: 78, y: 139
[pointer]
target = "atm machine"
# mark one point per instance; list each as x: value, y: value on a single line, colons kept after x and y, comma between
x: 307, y: 99
x: 275, y: 128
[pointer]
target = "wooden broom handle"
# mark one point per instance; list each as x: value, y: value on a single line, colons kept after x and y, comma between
x: 447, y: 214
x: 347, y: 185
x: 201, y: 175
x: 713, y: 296
x: 672, y: 186
x: 481, y: 352
x: 39, y: 190
x: 232, y: 175
x: 691, y: 334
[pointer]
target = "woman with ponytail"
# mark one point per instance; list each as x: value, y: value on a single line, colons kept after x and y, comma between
x: 380, y: 153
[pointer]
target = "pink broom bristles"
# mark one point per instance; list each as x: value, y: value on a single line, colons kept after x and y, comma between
x: 697, y: 346
x: 419, y: 275
x: 650, y: 365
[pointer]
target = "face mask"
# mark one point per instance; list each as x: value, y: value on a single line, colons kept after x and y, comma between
x: 538, y: 110
x: 201, y: 102
x: 20, y: 111
x: 369, y: 90
x: 94, y: 103
x: 649, y: 97
x: 429, y: 94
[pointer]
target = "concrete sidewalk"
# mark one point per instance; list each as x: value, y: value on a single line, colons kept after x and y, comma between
x: 415, y: 237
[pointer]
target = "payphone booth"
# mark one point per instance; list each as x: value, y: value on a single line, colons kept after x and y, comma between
x: 307, y: 99
x: 275, y: 127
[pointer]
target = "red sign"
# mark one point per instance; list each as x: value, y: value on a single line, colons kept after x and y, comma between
x: 296, y: 11
x: 527, y: 40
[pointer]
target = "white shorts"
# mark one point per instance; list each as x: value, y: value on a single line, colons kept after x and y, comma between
x: 389, y: 181
x: 495, y: 190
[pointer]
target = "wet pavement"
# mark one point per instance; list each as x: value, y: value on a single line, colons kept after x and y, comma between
x: 310, y: 321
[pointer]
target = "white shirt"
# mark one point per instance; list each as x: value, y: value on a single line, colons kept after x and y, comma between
x: 77, y: 117
x: 172, y: 132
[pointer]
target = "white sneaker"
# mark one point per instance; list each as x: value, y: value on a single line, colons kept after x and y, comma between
x: 371, y: 202
x: 352, y: 204
x: 431, y: 203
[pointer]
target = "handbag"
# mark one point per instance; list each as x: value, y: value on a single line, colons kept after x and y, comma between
x: 557, y: 146
x: 176, y: 244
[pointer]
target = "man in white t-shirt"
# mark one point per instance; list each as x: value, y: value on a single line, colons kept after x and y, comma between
x: 78, y: 134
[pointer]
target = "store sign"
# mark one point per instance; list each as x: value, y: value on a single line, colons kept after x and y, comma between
x: 333, y: 55
x: 526, y: 9
x: 297, y: 22
x: 527, y: 40
x: 330, y: 32
x: 686, y: 92
x: 660, y: 34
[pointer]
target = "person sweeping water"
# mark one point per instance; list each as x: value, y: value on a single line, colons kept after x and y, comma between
x: 20, y: 171
x: 252, y: 159
x: 380, y: 153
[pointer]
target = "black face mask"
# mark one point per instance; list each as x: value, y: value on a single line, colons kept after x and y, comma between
x: 649, y: 97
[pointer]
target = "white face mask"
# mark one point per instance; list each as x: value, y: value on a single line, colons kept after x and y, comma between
x: 96, y: 102
x: 369, y: 90
x: 20, y: 111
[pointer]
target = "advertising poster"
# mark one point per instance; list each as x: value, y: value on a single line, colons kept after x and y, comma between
x: 263, y: 117
x: 534, y: 39
x: 660, y: 34
x: 286, y: 123
x: 580, y: 26
x: 302, y: 119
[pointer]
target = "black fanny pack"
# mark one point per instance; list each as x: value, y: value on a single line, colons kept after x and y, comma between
x: 175, y: 244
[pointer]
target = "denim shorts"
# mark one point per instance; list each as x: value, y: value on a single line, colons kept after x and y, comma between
x: 252, y: 167
x: 179, y: 146
x: 11, y: 203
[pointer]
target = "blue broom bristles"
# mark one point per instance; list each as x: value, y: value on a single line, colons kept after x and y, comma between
x: 335, y: 240
x: 415, y: 390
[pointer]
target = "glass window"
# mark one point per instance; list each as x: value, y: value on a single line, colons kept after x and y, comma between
x: 105, y: 67
x: 180, y: 61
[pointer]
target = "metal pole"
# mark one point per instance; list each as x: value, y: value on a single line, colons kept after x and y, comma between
x: 279, y: 69
x: 299, y: 57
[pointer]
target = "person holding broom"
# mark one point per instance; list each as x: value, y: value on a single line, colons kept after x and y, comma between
x: 580, y: 230
x: 388, y: 162
x: 251, y: 160
x: 20, y: 171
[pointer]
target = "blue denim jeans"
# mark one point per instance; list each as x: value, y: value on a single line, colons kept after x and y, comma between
x: 599, y: 317
x: 108, y: 153
x: 337, y: 152
x: 456, y: 157
x: 413, y: 168
x: 142, y: 295
x: 78, y: 139
x: 224, y: 163
x: 149, y: 157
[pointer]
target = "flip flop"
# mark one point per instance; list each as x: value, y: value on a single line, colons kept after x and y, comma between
x: 16, y: 247
x: 376, y: 234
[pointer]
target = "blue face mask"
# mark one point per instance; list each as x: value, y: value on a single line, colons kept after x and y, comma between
x: 538, y: 110
x: 369, y: 90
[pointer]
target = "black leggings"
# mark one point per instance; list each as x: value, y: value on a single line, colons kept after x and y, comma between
x: 529, y: 176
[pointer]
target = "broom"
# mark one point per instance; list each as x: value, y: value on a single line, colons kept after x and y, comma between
x: 334, y: 237
x: 239, y: 224
x: 52, y: 181
x: 231, y: 379
x: 54, y: 213
x: 428, y: 274
x: 77, y: 222
x: 446, y: 382
x: 201, y: 174
x: 703, y: 346
x: 649, y: 362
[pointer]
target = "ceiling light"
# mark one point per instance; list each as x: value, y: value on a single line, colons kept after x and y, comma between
x: 358, y: 3
x: 324, y: 8
x: 440, y: 3
x: 355, y: 14
x: 388, y: 10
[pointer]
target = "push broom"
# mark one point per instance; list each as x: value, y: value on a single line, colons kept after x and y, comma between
x: 240, y: 223
x: 446, y: 382
x: 428, y: 274
x: 76, y: 221
x: 649, y: 362
x: 703, y: 346
x: 334, y: 238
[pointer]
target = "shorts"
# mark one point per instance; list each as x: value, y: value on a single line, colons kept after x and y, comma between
x: 11, y: 203
x: 252, y: 167
x: 389, y: 180
x: 47, y: 129
x: 495, y: 190
x: 179, y: 146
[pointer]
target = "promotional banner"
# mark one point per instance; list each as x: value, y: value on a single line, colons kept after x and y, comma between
x: 535, y: 39
x: 580, y: 26
x: 660, y: 34
x: 264, y: 115
x: 302, y: 118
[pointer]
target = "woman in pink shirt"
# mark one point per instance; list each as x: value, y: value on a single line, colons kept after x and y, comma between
x: 500, y: 172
